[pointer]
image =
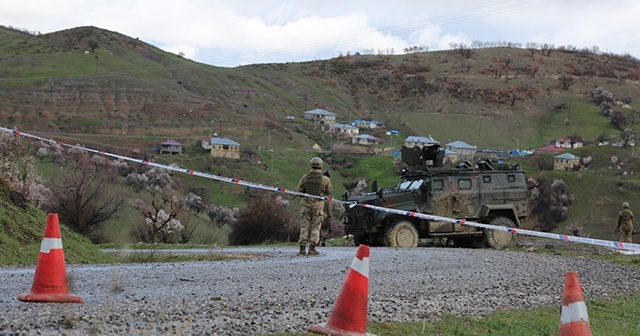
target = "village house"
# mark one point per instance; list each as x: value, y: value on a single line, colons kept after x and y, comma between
x: 566, y: 143
x: 365, y: 139
x: 320, y: 116
x: 370, y: 124
x: 462, y: 149
x: 413, y: 141
x: 170, y: 147
x: 344, y: 129
x: 450, y: 156
x: 566, y: 161
x: 225, y: 148
x: 206, y: 143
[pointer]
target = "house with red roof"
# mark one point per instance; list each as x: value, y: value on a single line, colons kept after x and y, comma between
x: 567, y: 143
x: 548, y: 149
x: 171, y: 147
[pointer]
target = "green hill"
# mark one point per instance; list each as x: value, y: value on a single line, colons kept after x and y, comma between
x: 22, y: 230
x: 115, y: 93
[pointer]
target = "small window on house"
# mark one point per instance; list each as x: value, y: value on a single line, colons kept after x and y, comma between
x: 464, y: 184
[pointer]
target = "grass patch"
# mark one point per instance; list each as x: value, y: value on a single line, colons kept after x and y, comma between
x: 612, y: 316
x: 158, y: 256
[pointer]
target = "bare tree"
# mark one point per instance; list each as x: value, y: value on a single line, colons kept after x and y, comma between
x: 566, y: 81
x: 547, y: 48
x: 543, y: 162
x: 86, y: 196
x: 532, y: 47
x: 574, y: 139
x: 465, y: 51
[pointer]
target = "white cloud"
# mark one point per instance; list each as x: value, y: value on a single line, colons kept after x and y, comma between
x: 272, y: 31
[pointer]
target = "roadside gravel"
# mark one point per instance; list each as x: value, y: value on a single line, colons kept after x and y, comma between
x: 283, y: 293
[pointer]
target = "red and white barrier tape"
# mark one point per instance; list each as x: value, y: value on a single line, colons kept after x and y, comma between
x: 584, y: 240
x: 591, y: 241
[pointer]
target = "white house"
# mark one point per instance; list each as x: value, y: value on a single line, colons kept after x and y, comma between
x: 320, y: 116
x: 413, y: 141
x: 566, y: 143
x: 371, y: 124
x: 206, y: 143
x: 344, y: 129
x: 365, y: 139
x: 463, y: 149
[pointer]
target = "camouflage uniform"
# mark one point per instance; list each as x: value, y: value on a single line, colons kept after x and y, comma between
x: 325, y: 229
x: 312, y: 209
x: 625, y: 223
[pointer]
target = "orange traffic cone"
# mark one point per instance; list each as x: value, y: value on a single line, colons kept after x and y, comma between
x: 349, y: 314
x: 50, y: 281
x: 574, y: 320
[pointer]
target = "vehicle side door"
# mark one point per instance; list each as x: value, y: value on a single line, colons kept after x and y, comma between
x: 440, y: 203
x: 465, y: 196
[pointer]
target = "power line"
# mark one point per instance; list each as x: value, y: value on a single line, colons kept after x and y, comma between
x: 475, y: 13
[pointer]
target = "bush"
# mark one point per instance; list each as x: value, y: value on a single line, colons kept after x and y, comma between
x: 549, y: 202
x: 265, y: 220
x: 619, y: 120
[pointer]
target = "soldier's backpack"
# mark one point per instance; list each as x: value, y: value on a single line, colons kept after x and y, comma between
x: 314, y: 184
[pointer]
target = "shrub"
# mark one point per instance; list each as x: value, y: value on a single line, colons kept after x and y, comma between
x: 619, y: 120
x: 264, y: 220
x: 549, y: 202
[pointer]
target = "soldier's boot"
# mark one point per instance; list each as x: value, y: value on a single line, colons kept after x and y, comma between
x: 302, y: 251
x: 322, y: 241
x: 312, y: 250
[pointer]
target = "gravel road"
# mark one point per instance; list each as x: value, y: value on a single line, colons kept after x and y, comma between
x: 281, y: 292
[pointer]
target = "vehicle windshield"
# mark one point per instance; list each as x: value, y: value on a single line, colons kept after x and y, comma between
x: 410, y: 184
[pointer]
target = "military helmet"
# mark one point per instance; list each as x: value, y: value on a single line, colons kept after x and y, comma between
x: 625, y: 205
x: 316, y: 163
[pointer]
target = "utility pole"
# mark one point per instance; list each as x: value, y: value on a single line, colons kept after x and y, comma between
x: 269, y: 138
x: 271, y: 167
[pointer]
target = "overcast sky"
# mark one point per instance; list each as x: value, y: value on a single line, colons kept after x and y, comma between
x: 229, y: 33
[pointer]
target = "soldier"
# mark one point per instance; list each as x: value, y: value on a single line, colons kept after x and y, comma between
x: 625, y: 223
x: 325, y: 230
x: 314, y: 183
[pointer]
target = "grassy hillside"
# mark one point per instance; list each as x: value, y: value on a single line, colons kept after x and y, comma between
x: 22, y: 230
x: 115, y: 93
x: 57, y: 82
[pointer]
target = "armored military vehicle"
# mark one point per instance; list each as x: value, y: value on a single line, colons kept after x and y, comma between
x: 484, y: 192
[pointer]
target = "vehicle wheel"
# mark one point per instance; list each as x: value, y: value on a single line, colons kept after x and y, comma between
x: 497, y: 238
x: 401, y: 234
